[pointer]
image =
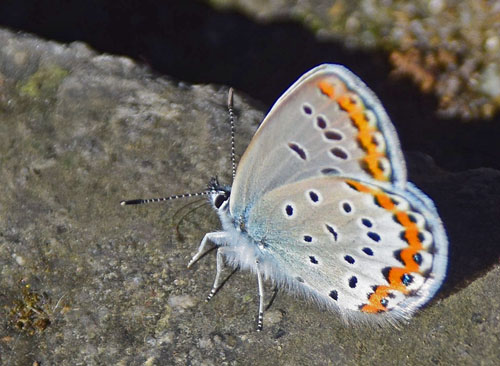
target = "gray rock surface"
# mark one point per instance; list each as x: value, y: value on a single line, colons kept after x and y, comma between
x: 84, y: 281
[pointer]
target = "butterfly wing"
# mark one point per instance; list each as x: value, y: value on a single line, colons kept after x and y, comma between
x: 352, y: 245
x: 327, y: 123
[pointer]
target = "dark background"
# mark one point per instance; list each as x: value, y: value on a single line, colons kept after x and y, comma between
x: 191, y: 42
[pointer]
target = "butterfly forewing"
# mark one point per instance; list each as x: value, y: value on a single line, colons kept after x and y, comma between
x: 327, y: 123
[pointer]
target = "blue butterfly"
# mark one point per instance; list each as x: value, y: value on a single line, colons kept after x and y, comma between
x: 320, y: 205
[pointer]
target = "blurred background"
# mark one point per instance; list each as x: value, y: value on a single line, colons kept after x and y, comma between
x: 432, y: 63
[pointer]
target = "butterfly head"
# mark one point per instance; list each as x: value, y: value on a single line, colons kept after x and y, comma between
x: 219, y: 194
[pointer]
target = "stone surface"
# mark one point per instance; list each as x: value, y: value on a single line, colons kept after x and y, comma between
x: 84, y: 281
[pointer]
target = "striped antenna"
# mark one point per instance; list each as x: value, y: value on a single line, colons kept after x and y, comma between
x: 140, y: 201
x: 214, y: 184
x: 231, y: 123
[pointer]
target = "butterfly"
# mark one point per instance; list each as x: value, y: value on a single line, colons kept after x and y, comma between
x: 321, y: 206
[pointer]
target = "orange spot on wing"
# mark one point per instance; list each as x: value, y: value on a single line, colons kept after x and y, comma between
x: 375, y: 305
x: 395, y: 281
x: 327, y: 89
x: 356, y: 112
x: 411, y: 236
x: 358, y: 186
x: 403, y: 218
x: 384, y: 201
x: 407, y: 258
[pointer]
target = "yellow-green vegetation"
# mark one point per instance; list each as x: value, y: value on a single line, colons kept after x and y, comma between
x: 29, y: 314
x: 43, y: 82
x: 448, y: 47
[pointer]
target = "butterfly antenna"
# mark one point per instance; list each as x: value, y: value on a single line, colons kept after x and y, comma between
x: 140, y: 201
x: 231, y: 123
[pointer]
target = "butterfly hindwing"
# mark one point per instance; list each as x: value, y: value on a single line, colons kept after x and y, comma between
x: 353, y: 246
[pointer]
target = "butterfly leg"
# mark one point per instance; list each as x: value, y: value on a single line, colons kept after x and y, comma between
x: 217, y: 282
x: 260, y: 282
x: 217, y: 237
x: 273, y: 296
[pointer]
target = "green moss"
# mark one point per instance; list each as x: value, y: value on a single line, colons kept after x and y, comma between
x: 43, y: 82
x: 30, y: 313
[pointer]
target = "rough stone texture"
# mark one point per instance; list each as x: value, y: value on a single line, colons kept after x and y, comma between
x: 97, y: 283
x: 447, y: 47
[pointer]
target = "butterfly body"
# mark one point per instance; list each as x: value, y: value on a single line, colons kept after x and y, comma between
x: 320, y: 204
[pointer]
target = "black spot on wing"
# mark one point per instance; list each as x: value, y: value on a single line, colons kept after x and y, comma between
x: 373, y: 236
x: 313, y: 196
x: 339, y: 153
x: 307, y: 109
x: 332, y: 231
x: 330, y: 171
x: 368, y: 251
x: 298, y: 150
x: 333, y: 135
x: 366, y: 222
x: 346, y: 207
x: 320, y: 122
x: 349, y: 259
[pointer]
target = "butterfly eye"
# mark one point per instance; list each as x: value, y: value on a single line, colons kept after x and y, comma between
x: 219, y: 200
